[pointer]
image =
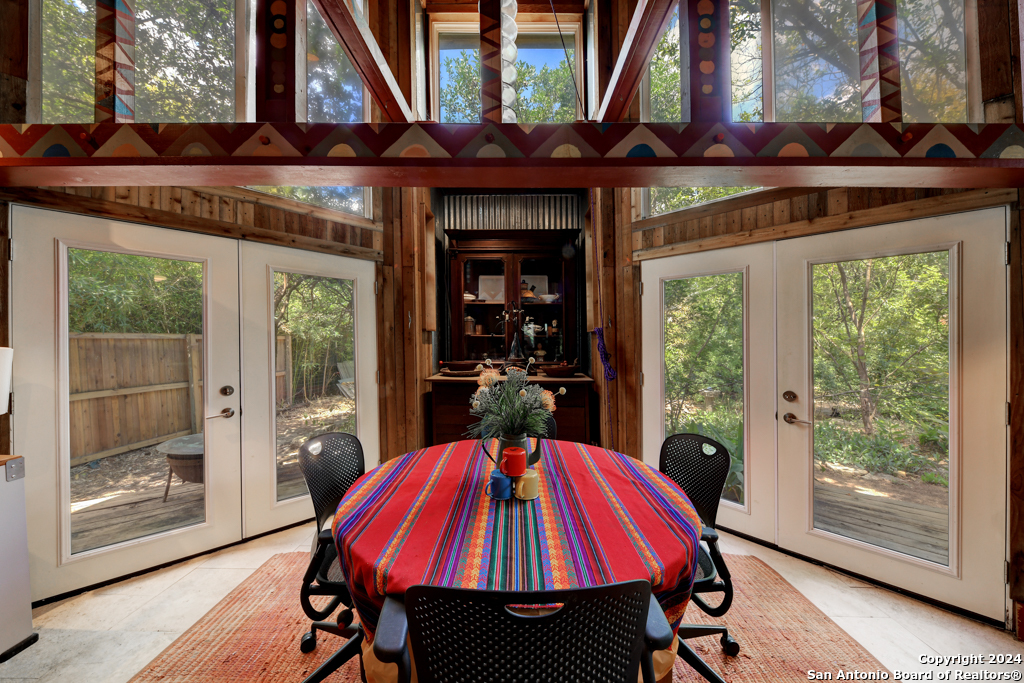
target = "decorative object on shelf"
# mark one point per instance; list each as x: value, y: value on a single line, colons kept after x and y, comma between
x: 527, y: 291
x: 479, y: 328
x: 469, y: 297
x: 510, y: 409
x: 549, y: 298
x: 470, y: 324
x: 563, y: 370
x: 492, y: 289
x: 537, y: 284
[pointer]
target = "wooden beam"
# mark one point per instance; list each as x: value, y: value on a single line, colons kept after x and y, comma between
x: 14, y: 61
x: 557, y: 155
x: 355, y: 36
x: 707, y: 23
x: 115, y: 61
x: 650, y: 19
x: 1016, y: 512
x: 490, y: 61
x: 878, y: 38
x: 275, y: 60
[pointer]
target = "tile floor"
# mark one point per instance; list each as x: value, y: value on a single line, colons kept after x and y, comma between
x: 108, y: 635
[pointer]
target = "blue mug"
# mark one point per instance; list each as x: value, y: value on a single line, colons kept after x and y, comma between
x: 500, y: 486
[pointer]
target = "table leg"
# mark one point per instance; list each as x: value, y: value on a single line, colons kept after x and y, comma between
x: 167, y: 489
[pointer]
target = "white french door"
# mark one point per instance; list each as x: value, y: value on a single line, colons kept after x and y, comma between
x: 709, y: 372
x: 863, y: 376
x: 901, y: 475
x: 287, y: 293
x: 145, y: 440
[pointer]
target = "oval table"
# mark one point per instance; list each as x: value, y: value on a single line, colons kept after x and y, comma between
x: 601, y: 517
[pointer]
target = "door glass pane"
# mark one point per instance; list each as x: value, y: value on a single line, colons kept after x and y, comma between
x: 135, y: 378
x: 483, y: 323
x: 881, y: 402
x: 817, y: 61
x: 314, y: 362
x: 703, y: 323
x: 541, y: 294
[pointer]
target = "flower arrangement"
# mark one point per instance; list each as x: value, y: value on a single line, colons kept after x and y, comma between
x: 512, y: 406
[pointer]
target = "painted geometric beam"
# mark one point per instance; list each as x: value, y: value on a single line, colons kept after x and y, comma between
x: 650, y: 19
x: 515, y: 155
x: 354, y: 35
x: 115, y: 61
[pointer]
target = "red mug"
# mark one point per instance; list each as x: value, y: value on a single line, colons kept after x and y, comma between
x: 513, y: 462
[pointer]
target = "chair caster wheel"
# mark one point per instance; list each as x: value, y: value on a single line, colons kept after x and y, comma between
x: 308, y: 643
x: 730, y: 646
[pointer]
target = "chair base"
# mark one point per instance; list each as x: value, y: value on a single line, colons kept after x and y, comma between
x: 352, y: 648
x: 341, y: 628
x: 729, y: 646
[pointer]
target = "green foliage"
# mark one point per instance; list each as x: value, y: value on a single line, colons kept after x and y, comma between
x: 460, y: 98
x: 883, y: 451
x: 125, y: 293
x: 703, y: 323
x: 339, y: 198
x: 666, y: 199
x: 510, y: 407
x: 316, y: 313
x: 932, y: 478
x: 334, y: 91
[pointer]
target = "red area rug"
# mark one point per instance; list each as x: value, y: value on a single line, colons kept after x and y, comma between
x: 253, y: 634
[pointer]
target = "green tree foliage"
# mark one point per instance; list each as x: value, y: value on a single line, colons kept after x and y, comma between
x: 184, y: 61
x: 125, y: 293
x: 881, y: 360
x: 339, y: 198
x: 334, y: 91
x: 544, y: 96
x: 316, y: 313
x: 703, y: 324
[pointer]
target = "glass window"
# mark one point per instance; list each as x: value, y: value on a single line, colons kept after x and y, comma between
x: 933, y: 67
x: 817, y: 72
x: 334, y: 91
x: 184, y: 61
x: 665, y: 86
x: 745, y: 60
x: 459, y: 77
x: 703, y: 325
x: 545, y: 78
x: 338, y: 198
x: 314, y: 362
x: 665, y: 199
x: 68, y: 61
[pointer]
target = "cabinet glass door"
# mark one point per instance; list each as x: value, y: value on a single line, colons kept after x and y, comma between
x: 483, y: 324
x: 541, y: 295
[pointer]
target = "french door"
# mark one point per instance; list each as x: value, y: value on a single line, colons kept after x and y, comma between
x: 145, y: 440
x: 863, y: 377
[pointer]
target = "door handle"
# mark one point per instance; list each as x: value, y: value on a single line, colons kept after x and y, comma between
x: 790, y: 418
x: 227, y: 412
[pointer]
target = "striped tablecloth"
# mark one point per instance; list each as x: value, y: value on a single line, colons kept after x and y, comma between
x: 601, y: 517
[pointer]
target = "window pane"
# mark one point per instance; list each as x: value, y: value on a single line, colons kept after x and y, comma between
x: 314, y: 361
x: 459, y: 78
x: 745, y: 59
x: 185, y: 61
x: 666, y: 93
x: 881, y: 402
x: 69, y: 61
x: 544, y: 78
x: 933, y: 64
x: 817, y: 73
x: 135, y: 378
x: 666, y: 199
x: 703, y: 327
x: 339, y: 198
x: 334, y: 91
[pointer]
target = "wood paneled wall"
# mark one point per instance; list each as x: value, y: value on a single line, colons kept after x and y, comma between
x: 406, y: 319
x: 226, y: 212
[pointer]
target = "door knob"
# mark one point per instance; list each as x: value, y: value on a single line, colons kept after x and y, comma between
x: 789, y: 396
x: 792, y: 419
x: 227, y: 412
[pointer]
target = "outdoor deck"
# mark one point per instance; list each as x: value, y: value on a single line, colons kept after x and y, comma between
x: 918, y: 530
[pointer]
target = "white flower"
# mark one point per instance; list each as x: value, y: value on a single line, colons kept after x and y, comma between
x: 478, y: 367
x: 561, y: 391
x: 522, y: 392
x: 530, y: 362
x: 476, y: 404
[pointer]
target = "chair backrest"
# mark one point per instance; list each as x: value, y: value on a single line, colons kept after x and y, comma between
x: 330, y: 464
x: 699, y: 466
x: 551, y: 431
x: 468, y: 635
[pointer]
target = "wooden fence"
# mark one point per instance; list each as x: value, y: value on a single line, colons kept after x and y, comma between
x: 129, y: 391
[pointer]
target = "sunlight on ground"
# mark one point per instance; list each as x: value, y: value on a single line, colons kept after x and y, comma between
x: 75, y: 507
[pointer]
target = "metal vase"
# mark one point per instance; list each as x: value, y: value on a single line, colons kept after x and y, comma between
x: 519, y: 441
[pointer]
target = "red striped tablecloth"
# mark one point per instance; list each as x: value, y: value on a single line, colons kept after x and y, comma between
x: 601, y: 517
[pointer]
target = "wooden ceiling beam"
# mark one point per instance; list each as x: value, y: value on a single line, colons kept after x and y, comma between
x: 650, y: 19
x: 512, y: 156
x: 361, y: 47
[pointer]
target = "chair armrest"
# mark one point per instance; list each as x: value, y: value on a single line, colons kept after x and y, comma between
x: 658, y: 635
x: 708, y: 534
x: 389, y: 644
x: 325, y: 537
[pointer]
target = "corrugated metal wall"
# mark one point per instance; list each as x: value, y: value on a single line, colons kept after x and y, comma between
x: 512, y: 212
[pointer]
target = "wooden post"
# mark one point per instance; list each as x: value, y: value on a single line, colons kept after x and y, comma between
x: 879, y: 61
x: 710, y: 73
x: 275, y: 60
x: 1016, y: 569
x: 490, y: 61
x: 115, y: 61
x: 14, y: 62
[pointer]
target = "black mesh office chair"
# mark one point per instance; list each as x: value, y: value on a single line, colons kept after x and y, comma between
x: 700, y: 466
x: 603, y: 633
x: 330, y: 464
